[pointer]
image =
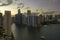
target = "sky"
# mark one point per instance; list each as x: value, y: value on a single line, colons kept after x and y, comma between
x: 33, y: 5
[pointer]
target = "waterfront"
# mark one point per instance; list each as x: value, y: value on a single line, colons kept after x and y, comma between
x: 50, y: 32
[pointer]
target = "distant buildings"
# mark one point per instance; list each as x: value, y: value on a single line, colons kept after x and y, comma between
x: 53, y: 15
x: 36, y: 19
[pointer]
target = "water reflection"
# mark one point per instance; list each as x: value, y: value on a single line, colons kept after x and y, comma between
x: 50, y: 32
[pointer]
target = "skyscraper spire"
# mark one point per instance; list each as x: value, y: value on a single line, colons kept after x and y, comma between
x: 19, y: 11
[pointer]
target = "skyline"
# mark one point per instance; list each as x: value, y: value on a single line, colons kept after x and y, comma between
x: 45, y: 5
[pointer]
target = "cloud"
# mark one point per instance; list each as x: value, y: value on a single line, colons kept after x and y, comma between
x: 54, y: 0
x: 5, y: 2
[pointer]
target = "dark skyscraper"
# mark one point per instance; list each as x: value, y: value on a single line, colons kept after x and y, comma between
x: 19, y: 11
x: 0, y: 14
x: 18, y: 17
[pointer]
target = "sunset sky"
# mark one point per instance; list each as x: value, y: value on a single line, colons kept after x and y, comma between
x: 46, y: 5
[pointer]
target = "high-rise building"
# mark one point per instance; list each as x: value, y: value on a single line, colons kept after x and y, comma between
x: 0, y: 14
x: 40, y: 19
x: 19, y: 11
x: 28, y: 12
x: 1, y: 19
x: 34, y: 19
x: 18, y: 17
x: 24, y: 19
x: 1, y: 28
x: 7, y: 24
x: 29, y: 18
